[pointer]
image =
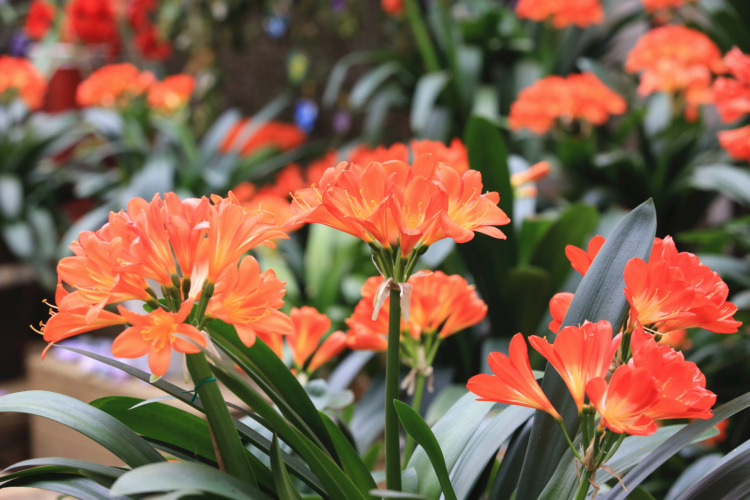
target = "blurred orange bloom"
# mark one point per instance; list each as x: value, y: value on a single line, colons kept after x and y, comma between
x: 113, y: 86
x: 676, y: 59
x: 155, y: 334
x: 277, y: 135
x: 363, y: 155
x: 576, y: 97
x: 512, y: 381
x: 454, y: 155
x: 20, y: 79
x: 652, y: 5
x: 392, y: 7
x: 736, y: 142
x: 171, y: 94
x: 440, y: 305
x: 580, y: 354
x: 579, y: 12
x: 39, y: 19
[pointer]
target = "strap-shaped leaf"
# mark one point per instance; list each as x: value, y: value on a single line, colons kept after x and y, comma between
x: 77, y: 487
x: 284, y: 485
x: 171, y: 476
x: 350, y: 461
x: 674, y: 444
x: 102, y: 474
x: 89, y: 421
x: 420, y: 431
x: 598, y: 297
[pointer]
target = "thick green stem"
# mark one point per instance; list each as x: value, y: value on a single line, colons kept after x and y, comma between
x: 416, y: 405
x: 583, y: 485
x: 230, y: 452
x: 392, y: 445
x: 422, y: 36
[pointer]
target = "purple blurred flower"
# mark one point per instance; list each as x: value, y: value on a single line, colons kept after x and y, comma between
x: 19, y: 44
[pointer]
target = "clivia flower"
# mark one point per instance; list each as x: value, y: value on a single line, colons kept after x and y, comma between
x: 732, y: 98
x: 276, y: 135
x: 171, y: 94
x: 582, y: 13
x: 20, y: 79
x: 113, y: 86
x: 39, y: 19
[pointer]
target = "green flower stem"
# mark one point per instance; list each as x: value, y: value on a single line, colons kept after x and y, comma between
x: 392, y: 444
x: 583, y: 485
x: 230, y: 452
x: 416, y: 405
x: 422, y: 36
x: 570, y: 443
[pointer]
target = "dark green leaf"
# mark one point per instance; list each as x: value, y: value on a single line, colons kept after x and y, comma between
x: 284, y: 485
x: 171, y: 476
x: 352, y: 464
x: 89, y: 421
x: 598, y: 297
x: 420, y: 431
x: 77, y: 487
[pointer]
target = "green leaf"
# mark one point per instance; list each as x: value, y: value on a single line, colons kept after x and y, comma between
x: 354, y: 467
x: 396, y: 494
x: 89, y: 421
x: 162, y: 422
x: 731, y: 181
x: 428, y: 88
x: 77, y: 487
x: 171, y: 476
x: 11, y: 196
x: 420, y: 431
x: 327, y: 260
x: 370, y: 82
x: 284, y: 485
x: 693, y: 473
x: 469, y: 62
x: 528, y: 290
x: 598, y: 297
x: 453, y: 431
x: 340, y: 69
x: 674, y: 444
x: 103, y: 474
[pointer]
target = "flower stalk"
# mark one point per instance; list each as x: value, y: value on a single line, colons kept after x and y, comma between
x: 392, y: 440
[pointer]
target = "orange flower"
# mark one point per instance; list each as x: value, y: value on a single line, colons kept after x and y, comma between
x: 580, y: 354
x: 155, y: 334
x: 440, y: 304
x: 580, y: 260
x: 675, y: 291
x: 680, y: 384
x: 577, y: 97
x: 392, y: 7
x: 250, y: 300
x: 676, y: 59
x: 76, y: 320
x: 94, y: 22
x: 558, y: 308
x: 113, y: 86
x: 277, y: 135
x: 19, y: 78
x: 652, y: 5
x: 736, y: 142
x: 171, y: 94
x: 39, y: 19
x: 305, y: 339
x: 512, y: 382
x: 364, y: 155
x: 579, y: 12
x: 454, y: 155
x: 622, y: 403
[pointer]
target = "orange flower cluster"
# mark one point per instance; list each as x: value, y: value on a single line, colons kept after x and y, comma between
x: 117, y: 85
x: 670, y: 292
x: 441, y: 305
x: 656, y: 384
x: 39, y: 19
x: 393, y: 7
x: 394, y: 202
x: 171, y: 94
x: 582, y: 13
x: 454, y: 155
x: 277, y: 135
x: 732, y: 97
x: 195, y: 251
x: 20, y: 79
x: 654, y: 5
x: 304, y: 341
x: 576, y: 97
x: 676, y: 59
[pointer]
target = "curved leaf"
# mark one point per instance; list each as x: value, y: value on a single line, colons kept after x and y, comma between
x: 729, y: 479
x: 284, y: 486
x: 77, y: 487
x: 370, y: 82
x: 170, y: 476
x: 89, y: 421
x: 420, y: 431
x: 598, y: 297
x: 426, y: 93
x: 352, y: 464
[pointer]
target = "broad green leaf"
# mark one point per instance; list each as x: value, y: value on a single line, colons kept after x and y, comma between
x: 469, y: 63
x: 496, y: 429
x: 428, y: 88
x: 170, y: 476
x: 102, y: 474
x: 674, y: 444
x: 11, y: 196
x: 598, y: 297
x: 89, y: 421
x: 350, y: 461
x: 277, y: 381
x: 693, y: 473
x: 76, y: 487
x: 328, y: 258
x: 390, y: 96
x: 396, y: 494
x: 528, y: 291
x: 420, y: 431
x: 733, y: 182
x: 341, y: 68
x: 284, y: 486
x: 370, y: 82
x: 19, y: 238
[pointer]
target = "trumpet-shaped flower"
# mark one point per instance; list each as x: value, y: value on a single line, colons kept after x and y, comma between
x: 582, y: 13
x: 156, y: 334
x: 512, y: 381
x: 736, y: 142
x: 558, y: 308
x: 113, y: 86
x: 623, y: 402
x: 580, y: 354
